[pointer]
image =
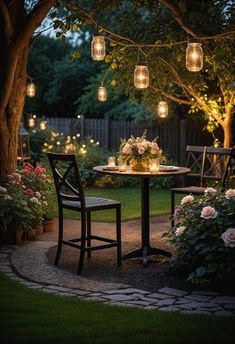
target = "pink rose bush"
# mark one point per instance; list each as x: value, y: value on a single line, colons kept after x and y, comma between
x: 139, y: 148
x: 26, y: 199
x: 204, y: 237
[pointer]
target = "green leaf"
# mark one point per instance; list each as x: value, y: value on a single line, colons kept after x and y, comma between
x: 108, y: 58
x: 74, y: 27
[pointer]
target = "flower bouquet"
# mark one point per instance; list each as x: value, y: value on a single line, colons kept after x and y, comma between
x: 204, y: 237
x: 138, y: 151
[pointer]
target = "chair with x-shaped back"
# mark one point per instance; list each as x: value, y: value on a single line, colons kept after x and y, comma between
x: 208, y: 165
x: 70, y: 195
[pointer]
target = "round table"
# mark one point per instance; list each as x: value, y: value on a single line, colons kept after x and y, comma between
x: 145, y: 250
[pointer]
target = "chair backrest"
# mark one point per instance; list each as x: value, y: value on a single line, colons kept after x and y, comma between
x: 196, y: 161
x: 218, y: 165
x: 209, y: 163
x: 67, y: 178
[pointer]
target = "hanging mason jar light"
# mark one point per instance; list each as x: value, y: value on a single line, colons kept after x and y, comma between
x: 98, y: 48
x: 162, y: 109
x: 23, y: 152
x: 31, y: 122
x: 43, y: 125
x: 31, y: 89
x: 102, y: 93
x: 141, y: 76
x: 194, y: 56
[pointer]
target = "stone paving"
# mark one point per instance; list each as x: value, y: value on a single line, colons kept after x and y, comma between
x: 28, y: 265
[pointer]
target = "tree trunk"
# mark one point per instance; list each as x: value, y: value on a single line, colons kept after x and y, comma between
x: 227, y: 134
x: 11, y: 115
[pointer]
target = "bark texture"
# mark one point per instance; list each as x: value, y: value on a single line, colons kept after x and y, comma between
x: 16, y: 32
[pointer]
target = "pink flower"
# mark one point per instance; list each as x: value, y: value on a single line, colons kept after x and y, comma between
x: 229, y: 237
x: 3, y: 190
x: 8, y: 197
x: 37, y: 193
x: 208, y: 213
x: 39, y: 169
x: 230, y: 194
x: 27, y: 171
x: 187, y: 199
x: 176, y: 212
x: 210, y: 191
x: 141, y: 150
x: 154, y: 148
x: 127, y: 149
x: 179, y: 230
x: 29, y: 192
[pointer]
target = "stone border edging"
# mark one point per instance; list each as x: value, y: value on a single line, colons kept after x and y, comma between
x: 166, y: 299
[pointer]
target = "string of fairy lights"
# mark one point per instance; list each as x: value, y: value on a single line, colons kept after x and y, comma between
x: 194, y: 63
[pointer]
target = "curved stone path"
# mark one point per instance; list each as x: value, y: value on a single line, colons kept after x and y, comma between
x: 28, y: 265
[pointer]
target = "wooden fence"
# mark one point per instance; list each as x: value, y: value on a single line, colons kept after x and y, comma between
x: 173, y: 135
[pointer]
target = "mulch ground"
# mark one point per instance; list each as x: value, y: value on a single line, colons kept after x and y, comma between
x: 102, y: 265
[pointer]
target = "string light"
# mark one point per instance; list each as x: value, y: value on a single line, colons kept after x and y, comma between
x: 102, y: 93
x: 162, y: 109
x: 141, y: 76
x: 30, y: 89
x: 43, y: 125
x: 98, y: 48
x: 31, y: 122
x: 194, y: 56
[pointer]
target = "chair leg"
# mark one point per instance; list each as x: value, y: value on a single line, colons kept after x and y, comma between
x: 118, y: 233
x: 172, y: 208
x: 60, y: 237
x: 89, y: 233
x: 83, y: 243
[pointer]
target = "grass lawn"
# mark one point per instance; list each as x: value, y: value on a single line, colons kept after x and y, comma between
x: 130, y: 199
x: 29, y: 316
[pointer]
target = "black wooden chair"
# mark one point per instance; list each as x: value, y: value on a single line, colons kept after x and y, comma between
x: 207, y: 164
x: 70, y: 195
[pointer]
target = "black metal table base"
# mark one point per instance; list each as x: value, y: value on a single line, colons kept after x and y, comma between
x: 144, y: 252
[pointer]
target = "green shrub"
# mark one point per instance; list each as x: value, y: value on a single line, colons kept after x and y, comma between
x: 204, y: 237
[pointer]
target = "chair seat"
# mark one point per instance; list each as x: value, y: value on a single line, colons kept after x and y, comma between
x: 91, y: 203
x: 197, y: 190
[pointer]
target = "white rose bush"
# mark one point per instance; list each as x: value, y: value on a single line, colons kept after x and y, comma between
x: 204, y: 238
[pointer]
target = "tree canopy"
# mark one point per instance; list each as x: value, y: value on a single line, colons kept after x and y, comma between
x: 156, y: 30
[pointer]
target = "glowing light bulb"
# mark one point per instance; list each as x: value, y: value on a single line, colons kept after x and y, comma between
x: 194, y: 56
x: 141, y: 76
x: 98, y: 48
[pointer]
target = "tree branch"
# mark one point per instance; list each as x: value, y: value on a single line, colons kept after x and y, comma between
x: 33, y: 20
x: 170, y: 96
x: 175, y: 10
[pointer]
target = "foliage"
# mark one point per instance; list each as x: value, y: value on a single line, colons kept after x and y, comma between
x: 129, y: 110
x: 27, y: 197
x: 209, y: 92
x: 198, y: 237
x: 37, y: 138
x: 59, y: 80
x: 44, y: 57
x: 88, y: 152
